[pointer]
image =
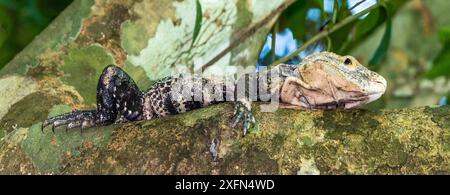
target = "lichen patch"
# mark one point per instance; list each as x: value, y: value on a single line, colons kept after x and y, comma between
x: 21, y: 114
x: 308, y: 167
x: 104, y: 27
x: 14, y: 88
x: 82, y: 68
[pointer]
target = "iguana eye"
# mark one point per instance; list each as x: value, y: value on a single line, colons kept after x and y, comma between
x: 348, y: 61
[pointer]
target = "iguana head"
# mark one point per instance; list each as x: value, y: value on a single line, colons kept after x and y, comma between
x: 327, y: 81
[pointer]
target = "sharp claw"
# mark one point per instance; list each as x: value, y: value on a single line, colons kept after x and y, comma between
x: 236, y: 108
x: 248, y: 123
x: 81, y: 128
x: 83, y: 119
x: 237, y: 119
x: 245, y: 128
x: 72, y: 125
x: 213, y: 149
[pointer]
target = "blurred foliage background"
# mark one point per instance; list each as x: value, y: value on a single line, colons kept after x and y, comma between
x: 22, y: 20
x: 406, y: 41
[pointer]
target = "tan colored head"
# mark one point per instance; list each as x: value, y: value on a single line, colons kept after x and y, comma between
x: 327, y: 81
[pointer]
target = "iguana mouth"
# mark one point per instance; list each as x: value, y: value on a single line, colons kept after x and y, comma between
x: 346, y: 103
x: 375, y: 91
x: 351, y: 102
x: 329, y: 106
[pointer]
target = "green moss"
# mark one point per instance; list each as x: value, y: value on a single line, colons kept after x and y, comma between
x: 14, y: 161
x: 159, y: 138
x: 82, y: 68
x: 251, y: 160
x: 14, y: 88
x: 307, y: 141
x: 336, y: 123
x: 3, y: 132
x: 134, y: 37
x: 180, y: 144
x: 279, y: 139
x: 21, y: 114
x: 440, y: 116
x: 203, y: 114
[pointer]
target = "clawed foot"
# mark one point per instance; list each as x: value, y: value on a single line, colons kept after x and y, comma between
x: 83, y: 119
x: 213, y: 149
x: 242, y: 112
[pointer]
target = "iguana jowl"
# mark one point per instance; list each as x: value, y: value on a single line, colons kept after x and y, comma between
x: 322, y: 81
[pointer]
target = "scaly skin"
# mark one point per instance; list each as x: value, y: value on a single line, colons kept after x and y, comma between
x: 322, y: 81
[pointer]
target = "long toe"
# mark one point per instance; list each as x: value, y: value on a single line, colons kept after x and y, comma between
x: 248, y: 122
x: 74, y: 119
x: 87, y: 124
x: 74, y: 124
x: 236, y: 119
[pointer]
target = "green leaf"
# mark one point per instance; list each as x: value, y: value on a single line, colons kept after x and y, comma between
x: 441, y: 64
x: 444, y: 34
x: 335, y: 12
x: 338, y: 38
x: 343, y: 10
x: 383, y: 47
x: 320, y: 6
x: 3, y: 35
x: 294, y: 18
x: 341, y: 36
x: 9, y: 4
x: 393, y: 6
x: 6, y: 26
x: 329, y: 43
x: 368, y: 25
x: 198, y: 21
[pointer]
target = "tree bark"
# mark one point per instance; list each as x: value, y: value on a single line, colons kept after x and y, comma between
x: 404, y: 141
x: 59, y: 70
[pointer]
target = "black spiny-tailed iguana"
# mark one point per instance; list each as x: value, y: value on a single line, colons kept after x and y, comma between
x: 322, y: 81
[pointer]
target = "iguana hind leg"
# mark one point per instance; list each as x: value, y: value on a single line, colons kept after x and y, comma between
x: 117, y: 97
x: 74, y: 119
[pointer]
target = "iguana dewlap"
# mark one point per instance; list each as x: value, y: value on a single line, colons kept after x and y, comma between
x: 322, y: 81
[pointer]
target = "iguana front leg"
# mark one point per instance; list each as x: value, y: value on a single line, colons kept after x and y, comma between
x: 118, y: 97
x: 243, y: 112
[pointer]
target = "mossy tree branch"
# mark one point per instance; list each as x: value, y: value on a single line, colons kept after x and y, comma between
x: 59, y: 71
x: 403, y: 141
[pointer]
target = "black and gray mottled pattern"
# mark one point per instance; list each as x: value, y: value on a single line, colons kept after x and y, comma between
x: 120, y: 100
